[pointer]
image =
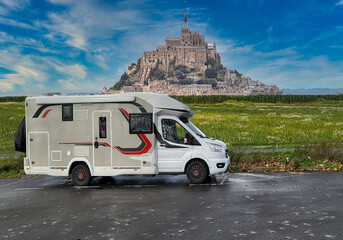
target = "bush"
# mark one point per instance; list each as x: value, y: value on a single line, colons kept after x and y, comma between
x: 132, y: 66
x: 208, y: 81
x: 210, y: 61
x: 11, y: 167
x: 181, y: 68
x: 186, y: 81
x: 122, y: 82
x: 210, y: 73
x: 325, y: 151
x: 180, y: 76
x: 158, y: 74
x: 13, y: 99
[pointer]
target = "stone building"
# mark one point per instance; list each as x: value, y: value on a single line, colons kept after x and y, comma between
x: 189, y: 49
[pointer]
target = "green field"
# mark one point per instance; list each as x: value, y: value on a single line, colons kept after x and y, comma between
x: 238, y: 124
x: 267, y: 125
x: 11, y: 115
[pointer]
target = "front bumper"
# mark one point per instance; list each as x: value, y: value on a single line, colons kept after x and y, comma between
x: 216, y: 165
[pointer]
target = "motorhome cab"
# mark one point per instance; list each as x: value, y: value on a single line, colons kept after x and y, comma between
x: 125, y: 134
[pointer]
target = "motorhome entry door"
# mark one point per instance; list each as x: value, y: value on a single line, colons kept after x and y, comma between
x: 102, y: 138
x: 39, y: 151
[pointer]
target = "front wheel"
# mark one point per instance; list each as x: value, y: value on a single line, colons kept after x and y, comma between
x: 197, y: 172
x: 81, y: 175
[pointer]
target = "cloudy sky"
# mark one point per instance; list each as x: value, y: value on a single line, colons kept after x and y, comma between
x: 80, y: 46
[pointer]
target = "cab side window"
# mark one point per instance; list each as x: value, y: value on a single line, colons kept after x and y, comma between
x: 173, y: 131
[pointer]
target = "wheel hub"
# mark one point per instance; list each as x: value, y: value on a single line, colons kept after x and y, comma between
x: 81, y: 175
x: 197, y: 171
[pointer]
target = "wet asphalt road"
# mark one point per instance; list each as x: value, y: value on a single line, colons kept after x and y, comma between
x: 231, y: 206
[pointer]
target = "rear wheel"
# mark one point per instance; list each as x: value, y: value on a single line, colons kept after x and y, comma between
x: 197, y: 172
x: 81, y: 175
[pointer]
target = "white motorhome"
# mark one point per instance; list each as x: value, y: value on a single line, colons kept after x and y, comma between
x: 124, y: 134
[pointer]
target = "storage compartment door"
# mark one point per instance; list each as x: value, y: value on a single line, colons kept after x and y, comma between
x: 39, y: 151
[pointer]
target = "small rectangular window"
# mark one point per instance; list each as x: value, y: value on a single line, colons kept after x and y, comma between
x: 67, y: 112
x: 140, y: 123
x: 102, y: 127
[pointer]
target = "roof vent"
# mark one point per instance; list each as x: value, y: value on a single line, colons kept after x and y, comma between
x: 51, y: 94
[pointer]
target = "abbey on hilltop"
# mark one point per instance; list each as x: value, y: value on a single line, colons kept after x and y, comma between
x: 186, y: 65
x: 190, y: 50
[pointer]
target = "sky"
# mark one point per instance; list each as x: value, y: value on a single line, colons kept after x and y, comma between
x: 81, y: 46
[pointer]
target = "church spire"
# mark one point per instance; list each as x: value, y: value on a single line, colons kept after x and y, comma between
x: 185, y: 15
x: 184, y: 25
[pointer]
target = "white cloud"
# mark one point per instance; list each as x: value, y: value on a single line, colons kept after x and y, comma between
x: 75, y: 70
x: 86, y: 22
x: 25, y: 71
x: 77, y: 85
x: 15, y: 23
x: 15, y: 4
x: 23, y: 76
x: 340, y: 3
x: 73, y: 33
x: 24, y: 42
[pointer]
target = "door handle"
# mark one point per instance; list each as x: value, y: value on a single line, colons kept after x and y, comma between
x: 96, y: 144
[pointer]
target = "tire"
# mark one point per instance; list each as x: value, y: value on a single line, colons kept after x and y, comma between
x: 81, y: 175
x: 197, y: 172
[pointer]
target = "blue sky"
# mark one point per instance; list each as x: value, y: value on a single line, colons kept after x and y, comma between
x: 80, y: 46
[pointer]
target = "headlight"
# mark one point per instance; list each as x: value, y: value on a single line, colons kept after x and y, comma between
x: 216, y: 147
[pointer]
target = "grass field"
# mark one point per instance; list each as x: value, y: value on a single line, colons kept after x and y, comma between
x: 238, y: 124
x: 247, y: 125
x: 11, y: 115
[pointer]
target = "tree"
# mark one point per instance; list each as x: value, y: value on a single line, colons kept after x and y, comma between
x: 210, y: 61
x: 122, y: 82
x: 132, y: 66
x: 186, y: 81
x: 181, y: 68
x: 180, y: 76
x: 210, y: 73
x: 208, y: 81
x: 158, y: 74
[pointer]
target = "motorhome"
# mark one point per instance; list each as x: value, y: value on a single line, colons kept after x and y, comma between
x: 124, y: 134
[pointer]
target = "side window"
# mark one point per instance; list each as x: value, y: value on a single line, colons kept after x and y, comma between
x: 102, y: 127
x: 140, y: 123
x: 67, y: 112
x: 173, y: 131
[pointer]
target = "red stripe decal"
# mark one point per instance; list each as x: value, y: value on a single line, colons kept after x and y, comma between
x: 144, y: 150
x: 126, y: 113
x: 108, y: 145
x: 84, y: 143
x: 46, y: 113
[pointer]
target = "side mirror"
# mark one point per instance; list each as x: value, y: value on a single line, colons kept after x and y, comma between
x: 188, y: 139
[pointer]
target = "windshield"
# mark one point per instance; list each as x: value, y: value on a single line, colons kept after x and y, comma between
x: 192, y: 127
